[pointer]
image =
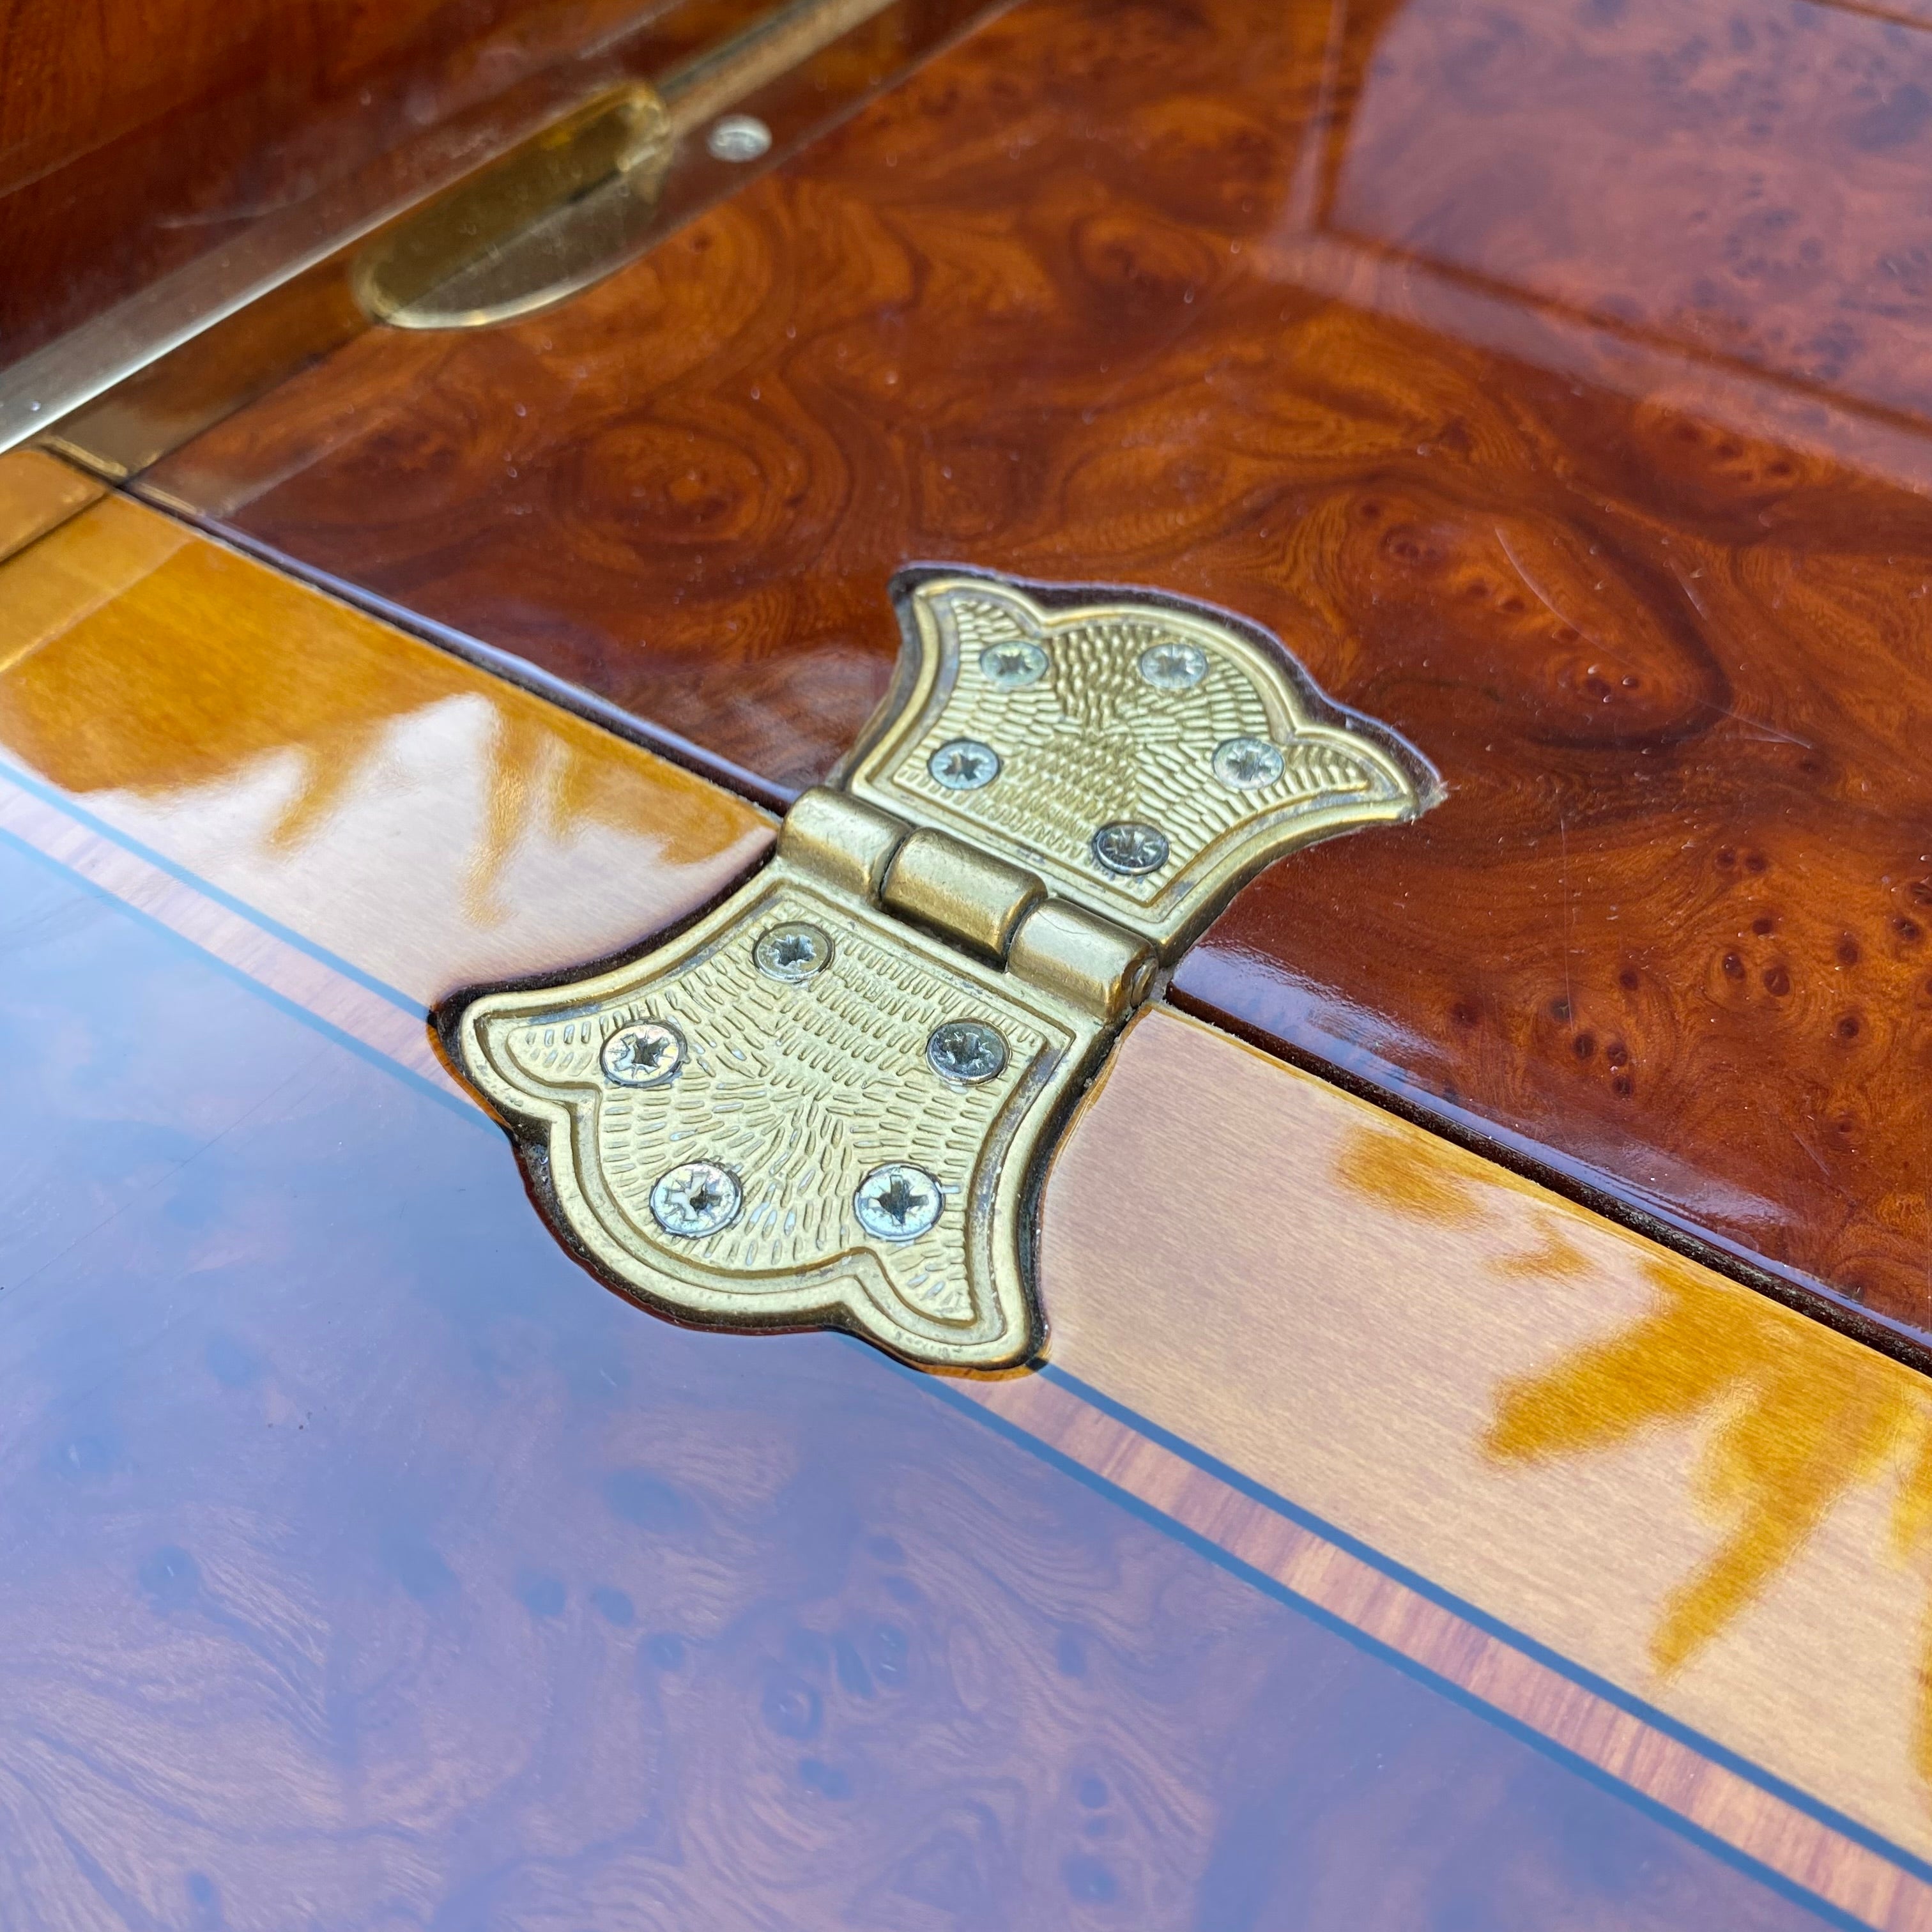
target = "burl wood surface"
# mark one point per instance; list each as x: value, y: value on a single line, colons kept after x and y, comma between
x: 370, y: 1564
x: 451, y: 1587
x: 1216, y: 297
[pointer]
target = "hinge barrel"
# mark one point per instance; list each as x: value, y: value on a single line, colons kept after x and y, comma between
x: 1000, y: 911
x: 967, y: 895
x: 832, y: 1100
x: 848, y: 844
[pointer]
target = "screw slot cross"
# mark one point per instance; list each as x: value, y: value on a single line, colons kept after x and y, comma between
x: 897, y: 1202
x: 646, y: 1053
x: 1009, y: 666
x: 792, y: 952
x: 965, y: 764
x: 968, y: 1051
x: 641, y: 1054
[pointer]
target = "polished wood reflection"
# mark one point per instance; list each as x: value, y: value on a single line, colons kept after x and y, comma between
x: 1260, y: 1531
x: 364, y: 1552
x: 36, y: 492
x: 137, y: 135
x: 1610, y: 497
x: 1598, y: 1491
x: 1701, y: 1497
x: 372, y: 793
x: 363, y: 1547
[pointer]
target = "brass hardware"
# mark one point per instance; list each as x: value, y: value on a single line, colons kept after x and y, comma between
x: 769, y: 48
x: 969, y: 895
x: 848, y: 844
x: 466, y: 255
x: 134, y: 384
x: 574, y: 203
x: 1096, y: 742
x: 738, y: 137
x: 1087, y: 961
x: 830, y: 1102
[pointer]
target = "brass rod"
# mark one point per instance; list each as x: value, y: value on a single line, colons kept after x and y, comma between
x: 118, y: 346
x: 709, y: 82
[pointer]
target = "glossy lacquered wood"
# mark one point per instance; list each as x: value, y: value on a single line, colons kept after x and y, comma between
x: 1624, y: 1508
x: 138, y: 135
x: 367, y: 792
x: 364, y: 1552
x: 367, y: 1553
x: 1607, y: 499
x: 37, y: 492
x: 1698, y: 1496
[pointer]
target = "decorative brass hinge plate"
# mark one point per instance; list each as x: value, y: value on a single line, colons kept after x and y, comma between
x: 830, y: 1102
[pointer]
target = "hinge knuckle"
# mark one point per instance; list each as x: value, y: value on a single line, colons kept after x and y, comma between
x: 1086, y: 960
x: 966, y: 894
x: 831, y: 1100
x: 841, y: 840
x: 999, y: 911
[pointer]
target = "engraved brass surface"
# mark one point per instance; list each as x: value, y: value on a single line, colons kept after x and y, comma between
x: 799, y: 1089
x: 1111, y: 714
x: 831, y: 1102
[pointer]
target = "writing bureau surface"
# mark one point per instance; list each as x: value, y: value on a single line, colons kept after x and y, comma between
x: 369, y: 1558
x: 190, y: 847
x: 1161, y: 296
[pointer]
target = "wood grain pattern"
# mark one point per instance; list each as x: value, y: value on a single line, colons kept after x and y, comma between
x: 1749, y: 193
x: 364, y: 1553
x: 37, y: 491
x: 1856, y: 1877
x: 1161, y: 294
x: 1568, y: 1391
x: 1699, y: 1496
x: 370, y: 792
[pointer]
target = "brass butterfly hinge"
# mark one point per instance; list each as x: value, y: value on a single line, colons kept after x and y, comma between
x: 830, y: 1102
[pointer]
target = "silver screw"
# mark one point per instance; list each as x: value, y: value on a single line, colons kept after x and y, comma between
x: 1009, y: 666
x: 897, y: 1202
x: 966, y: 1050
x: 1173, y: 666
x: 738, y: 137
x: 965, y: 764
x: 792, y: 952
x: 1245, y: 764
x: 696, y: 1199
x: 1125, y: 846
x: 645, y: 1054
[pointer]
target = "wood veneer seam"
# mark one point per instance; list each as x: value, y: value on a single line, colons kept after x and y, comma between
x: 1252, y: 1492
x: 1115, y: 1450
x: 1319, y: 1573
x: 1803, y: 1295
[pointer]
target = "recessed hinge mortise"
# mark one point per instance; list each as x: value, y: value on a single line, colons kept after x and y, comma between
x: 831, y: 1101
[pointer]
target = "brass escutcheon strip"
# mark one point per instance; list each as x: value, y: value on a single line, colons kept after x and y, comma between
x: 577, y: 201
